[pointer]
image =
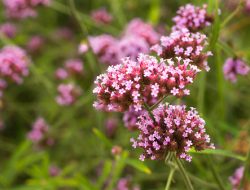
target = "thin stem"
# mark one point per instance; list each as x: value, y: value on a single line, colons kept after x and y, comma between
x: 170, y: 177
x: 149, y: 111
x: 184, y: 173
x: 158, y: 102
x: 215, y: 174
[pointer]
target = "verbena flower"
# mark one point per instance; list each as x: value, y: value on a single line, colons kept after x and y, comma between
x: 35, y: 44
x: 173, y: 128
x: 39, y: 133
x: 14, y: 64
x: 74, y: 66
x: 184, y: 44
x: 130, y: 118
x: 101, y: 16
x: 134, y: 83
x: 83, y: 48
x: 193, y: 18
x: 141, y: 29
x: 137, y: 38
x: 233, y: 67
x: 236, y: 178
x: 61, y: 74
x: 8, y: 29
x: 68, y: 94
x: 111, y: 125
x: 125, y: 184
x: 20, y: 9
x: 54, y: 170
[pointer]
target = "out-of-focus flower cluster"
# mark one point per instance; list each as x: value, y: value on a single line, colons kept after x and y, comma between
x: 67, y: 94
x: 235, y: 179
x: 137, y: 38
x: 8, y: 29
x: 20, y: 9
x: 101, y: 16
x: 172, y: 129
x: 184, y: 44
x: 14, y: 66
x: 130, y: 118
x: 234, y: 67
x: 193, y: 18
x: 125, y: 184
x: 39, y: 133
x: 145, y: 81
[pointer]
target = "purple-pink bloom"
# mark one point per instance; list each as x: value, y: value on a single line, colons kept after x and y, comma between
x: 74, y: 66
x: 130, y: 118
x: 144, y: 30
x: 35, y: 44
x: 125, y: 184
x: 13, y: 64
x: 20, y: 9
x: 101, y: 16
x: 193, y: 18
x: 39, y: 130
x: 233, y: 67
x: 185, y: 44
x: 8, y: 29
x: 67, y: 94
x: 54, y: 171
x: 61, y: 74
x: 236, y: 178
x: 173, y: 128
x: 132, y: 83
x: 82, y: 48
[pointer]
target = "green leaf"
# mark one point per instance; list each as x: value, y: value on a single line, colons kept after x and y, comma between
x: 139, y: 165
x: 219, y: 152
x: 102, y: 137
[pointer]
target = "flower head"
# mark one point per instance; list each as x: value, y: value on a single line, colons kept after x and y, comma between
x: 74, y: 66
x: 144, y: 81
x: 130, y: 118
x: 173, y: 129
x: 233, y: 67
x: 13, y: 64
x: 8, y: 29
x: 144, y: 30
x: 20, y: 9
x: 193, y: 18
x: 101, y: 16
x: 68, y: 94
x: 235, y: 179
x: 184, y: 44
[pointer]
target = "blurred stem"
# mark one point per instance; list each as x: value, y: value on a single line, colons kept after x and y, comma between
x: 91, y: 57
x: 216, y: 176
x: 149, y: 111
x: 246, y: 170
x: 118, y: 12
x: 238, y: 9
x: 158, y: 102
x: 201, y: 93
x: 184, y: 173
x: 170, y: 177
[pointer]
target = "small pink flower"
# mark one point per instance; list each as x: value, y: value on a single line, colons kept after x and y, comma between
x: 54, y: 171
x: 68, y: 94
x: 35, y: 44
x: 193, y: 18
x: 61, y: 74
x: 233, y: 67
x: 13, y: 64
x: 74, y: 66
x: 8, y: 29
x: 168, y: 132
x: 82, y: 48
x: 101, y: 16
x: 236, y: 178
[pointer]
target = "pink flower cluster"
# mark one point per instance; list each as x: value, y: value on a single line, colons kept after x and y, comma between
x: 68, y: 94
x: 193, y: 18
x: 146, y: 80
x: 235, y: 179
x: 233, y: 67
x: 71, y: 67
x: 13, y: 64
x: 8, y: 29
x: 35, y: 44
x: 184, y: 44
x: 101, y: 16
x: 20, y: 9
x: 137, y: 38
x: 130, y: 118
x: 125, y: 184
x: 172, y: 129
x: 39, y: 133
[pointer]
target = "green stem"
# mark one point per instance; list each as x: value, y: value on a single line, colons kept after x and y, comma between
x: 184, y: 173
x: 246, y: 170
x: 149, y: 111
x: 158, y: 102
x: 215, y: 174
x: 170, y: 177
